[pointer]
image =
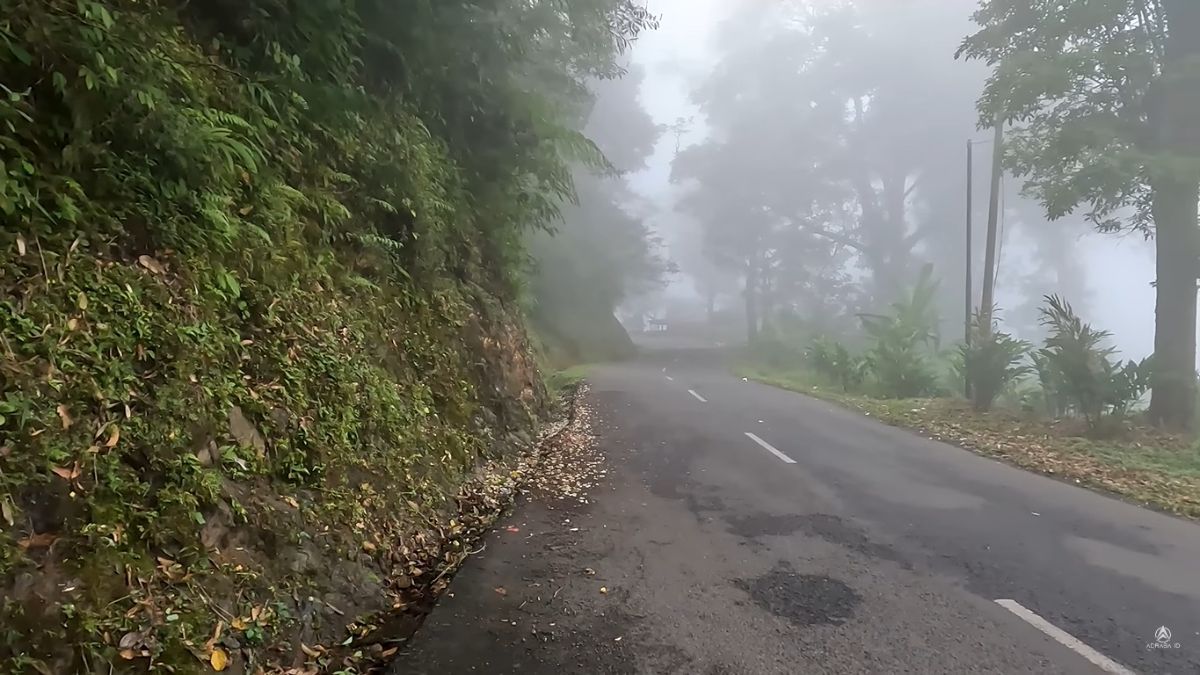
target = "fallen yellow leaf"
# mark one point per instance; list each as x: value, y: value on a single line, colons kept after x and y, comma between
x: 219, y: 659
x: 113, y: 437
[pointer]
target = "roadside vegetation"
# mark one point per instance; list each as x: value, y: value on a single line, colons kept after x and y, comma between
x: 1067, y: 408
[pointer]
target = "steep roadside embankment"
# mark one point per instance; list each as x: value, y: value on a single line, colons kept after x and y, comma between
x: 258, y: 325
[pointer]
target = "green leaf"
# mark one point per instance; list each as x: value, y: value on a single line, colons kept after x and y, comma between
x: 22, y: 55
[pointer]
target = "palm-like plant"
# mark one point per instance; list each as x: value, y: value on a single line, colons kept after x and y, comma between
x: 992, y: 360
x: 1076, y: 363
x: 902, y: 340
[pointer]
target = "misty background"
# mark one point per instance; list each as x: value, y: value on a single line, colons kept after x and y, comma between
x: 671, y: 71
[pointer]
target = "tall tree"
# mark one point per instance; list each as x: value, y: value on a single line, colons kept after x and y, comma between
x: 601, y: 251
x: 1105, y: 96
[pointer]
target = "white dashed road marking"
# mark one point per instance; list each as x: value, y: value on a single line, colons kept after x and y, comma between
x: 698, y: 396
x: 770, y: 448
x: 1065, y: 639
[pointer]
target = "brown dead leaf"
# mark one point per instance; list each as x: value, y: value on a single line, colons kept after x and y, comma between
x: 65, y: 473
x: 114, y: 435
x: 311, y: 652
x: 500, y: 590
x: 291, y: 501
x: 151, y: 264
x: 238, y: 624
x: 369, y: 547
x: 43, y: 540
x: 128, y: 654
x: 65, y: 416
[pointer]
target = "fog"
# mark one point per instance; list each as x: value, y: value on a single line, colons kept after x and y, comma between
x: 711, y: 58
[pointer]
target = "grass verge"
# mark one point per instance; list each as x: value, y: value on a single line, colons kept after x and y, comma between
x: 1155, y: 469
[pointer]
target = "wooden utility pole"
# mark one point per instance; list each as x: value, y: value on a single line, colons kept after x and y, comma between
x: 968, y: 281
x: 989, y: 258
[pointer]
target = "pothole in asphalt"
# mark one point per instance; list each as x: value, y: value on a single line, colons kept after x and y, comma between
x: 803, y: 599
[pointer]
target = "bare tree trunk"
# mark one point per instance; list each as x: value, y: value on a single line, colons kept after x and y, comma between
x: 1173, y: 402
x: 751, y: 294
x: 1176, y: 193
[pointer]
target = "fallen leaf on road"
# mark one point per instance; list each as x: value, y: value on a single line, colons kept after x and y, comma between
x: 604, y: 589
x: 500, y: 590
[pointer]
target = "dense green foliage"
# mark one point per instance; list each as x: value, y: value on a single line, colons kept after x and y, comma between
x: 992, y: 360
x: 1076, y: 365
x: 902, y: 340
x: 257, y: 270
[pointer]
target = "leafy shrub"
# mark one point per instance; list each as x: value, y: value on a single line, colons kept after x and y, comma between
x: 1075, y: 367
x: 902, y: 341
x: 991, y: 361
x: 831, y: 360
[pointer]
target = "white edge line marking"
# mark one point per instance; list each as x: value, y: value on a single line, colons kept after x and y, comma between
x: 1065, y: 639
x: 670, y: 378
x: 770, y: 448
x: 698, y: 396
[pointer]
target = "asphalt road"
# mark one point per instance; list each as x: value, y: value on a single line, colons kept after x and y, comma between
x: 744, y: 529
